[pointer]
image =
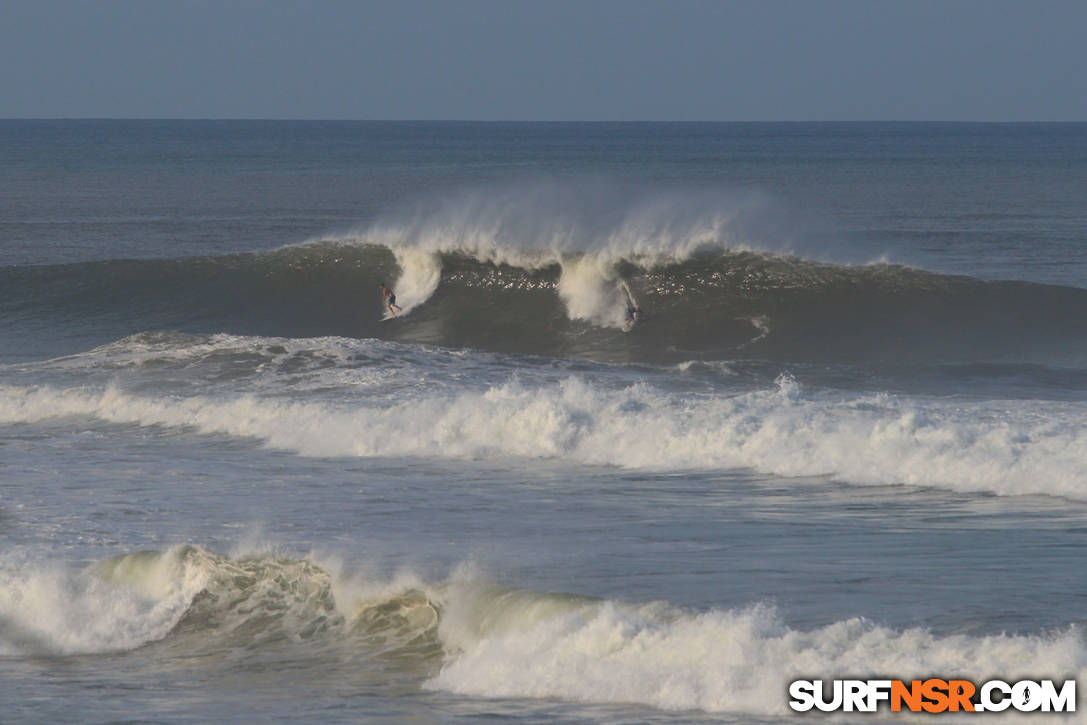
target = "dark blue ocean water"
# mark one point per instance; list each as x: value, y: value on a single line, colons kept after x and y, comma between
x: 846, y: 436
x: 967, y: 198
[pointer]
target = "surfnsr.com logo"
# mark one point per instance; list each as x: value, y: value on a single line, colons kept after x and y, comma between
x: 933, y: 695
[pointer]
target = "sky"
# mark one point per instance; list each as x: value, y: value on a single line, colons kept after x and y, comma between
x: 546, y: 60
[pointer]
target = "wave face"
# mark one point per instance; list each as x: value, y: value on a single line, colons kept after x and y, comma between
x: 195, y: 601
x: 546, y: 272
x: 470, y: 636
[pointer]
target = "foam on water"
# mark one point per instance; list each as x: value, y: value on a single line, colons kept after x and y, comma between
x: 1005, y: 447
x: 231, y: 329
x: 472, y: 636
x: 738, y: 661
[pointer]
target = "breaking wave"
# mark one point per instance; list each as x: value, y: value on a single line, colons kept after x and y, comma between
x: 546, y: 272
x: 999, y: 446
x: 471, y: 636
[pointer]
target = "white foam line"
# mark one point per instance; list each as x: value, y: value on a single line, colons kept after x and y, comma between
x: 1006, y: 447
x: 719, y: 661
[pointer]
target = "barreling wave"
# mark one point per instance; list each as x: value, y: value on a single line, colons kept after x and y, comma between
x: 471, y: 636
x: 713, y: 304
x: 551, y: 269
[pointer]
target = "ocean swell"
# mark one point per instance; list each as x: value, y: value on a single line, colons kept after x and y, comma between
x: 712, y: 305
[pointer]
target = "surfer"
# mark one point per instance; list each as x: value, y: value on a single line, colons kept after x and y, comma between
x: 634, y: 312
x: 389, y: 298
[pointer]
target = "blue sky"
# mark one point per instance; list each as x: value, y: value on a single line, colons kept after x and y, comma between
x: 684, y: 60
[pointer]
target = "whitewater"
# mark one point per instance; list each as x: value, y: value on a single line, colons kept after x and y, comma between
x: 670, y: 418
x: 846, y: 436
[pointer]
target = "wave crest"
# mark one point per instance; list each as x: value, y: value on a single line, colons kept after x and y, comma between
x: 1004, y: 447
x: 471, y: 636
x: 551, y: 269
x: 715, y: 305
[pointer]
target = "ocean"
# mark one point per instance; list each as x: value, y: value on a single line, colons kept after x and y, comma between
x: 846, y: 436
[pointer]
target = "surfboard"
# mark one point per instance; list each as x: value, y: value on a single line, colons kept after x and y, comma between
x: 631, y: 302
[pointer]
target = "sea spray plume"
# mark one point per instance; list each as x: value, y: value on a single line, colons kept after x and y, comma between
x: 528, y: 224
x: 585, y: 227
x: 592, y: 291
x: 420, y: 273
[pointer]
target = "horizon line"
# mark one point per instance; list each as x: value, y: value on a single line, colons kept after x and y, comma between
x: 523, y: 121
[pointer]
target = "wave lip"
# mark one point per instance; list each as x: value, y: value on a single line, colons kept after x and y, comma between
x: 192, y: 600
x: 51, y: 611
